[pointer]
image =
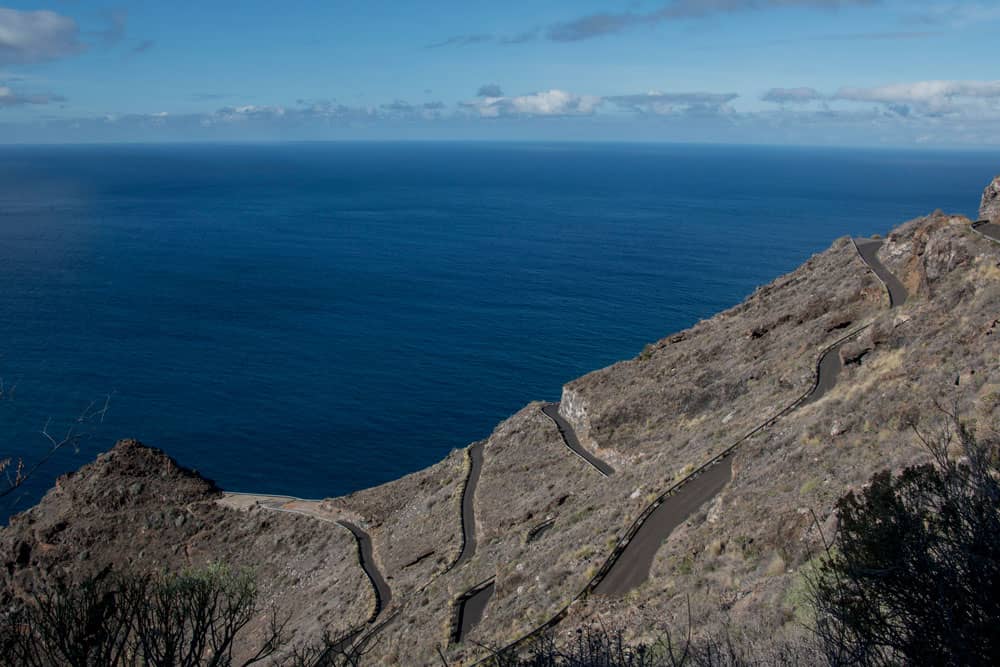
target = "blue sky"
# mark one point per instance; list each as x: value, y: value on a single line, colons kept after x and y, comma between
x: 812, y: 72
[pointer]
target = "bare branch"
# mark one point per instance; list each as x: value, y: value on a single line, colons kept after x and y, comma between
x: 75, y: 433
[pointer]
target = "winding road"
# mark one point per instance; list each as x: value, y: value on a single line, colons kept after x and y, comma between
x: 383, y: 594
x: 830, y: 363
x: 629, y: 564
x: 827, y: 372
x: 366, y: 557
x: 469, y: 506
x: 632, y: 566
x: 990, y: 230
x: 568, y: 434
x: 472, y: 603
x: 868, y: 249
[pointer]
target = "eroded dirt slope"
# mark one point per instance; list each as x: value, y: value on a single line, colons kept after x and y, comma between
x: 135, y: 509
x: 654, y: 419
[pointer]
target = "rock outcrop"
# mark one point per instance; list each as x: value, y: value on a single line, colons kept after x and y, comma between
x: 658, y: 417
x: 135, y: 509
x: 989, y: 209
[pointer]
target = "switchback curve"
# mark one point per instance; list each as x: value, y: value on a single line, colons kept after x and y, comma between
x: 868, y: 250
x: 713, y: 480
x: 551, y: 410
x: 830, y: 364
x: 366, y: 558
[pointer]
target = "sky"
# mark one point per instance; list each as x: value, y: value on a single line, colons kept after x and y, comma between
x: 914, y: 73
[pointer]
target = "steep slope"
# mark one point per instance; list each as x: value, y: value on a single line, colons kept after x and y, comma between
x: 739, y: 390
x: 135, y: 509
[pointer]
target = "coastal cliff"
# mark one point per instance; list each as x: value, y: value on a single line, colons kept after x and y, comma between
x: 733, y: 438
x: 989, y: 208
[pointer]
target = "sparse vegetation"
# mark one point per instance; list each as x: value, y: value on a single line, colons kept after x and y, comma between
x: 913, y: 578
x: 194, y: 618
x: 652, y: 419
x: 601, y: 647
x: 915, y: 575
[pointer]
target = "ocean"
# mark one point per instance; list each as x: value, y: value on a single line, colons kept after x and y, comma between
x: 312, y: 319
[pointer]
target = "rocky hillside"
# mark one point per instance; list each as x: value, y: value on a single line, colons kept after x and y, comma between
x: 599, y: 509
x: 989, y: 208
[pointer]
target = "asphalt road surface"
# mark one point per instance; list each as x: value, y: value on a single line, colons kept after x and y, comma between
x: 468, y: 505
x: 829, y: 369
x: 569, y: 437
x: 869, y: 252
x: 633, y: 564
x: 471, y: 610
x: 383, y: 594
x: 990, y: 229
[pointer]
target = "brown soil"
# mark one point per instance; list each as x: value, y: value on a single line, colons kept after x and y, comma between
x: 737, y: 557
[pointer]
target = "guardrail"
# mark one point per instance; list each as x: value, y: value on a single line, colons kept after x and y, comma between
x: 637, y: 524
x: 980, y: 223
x: 587, y: 457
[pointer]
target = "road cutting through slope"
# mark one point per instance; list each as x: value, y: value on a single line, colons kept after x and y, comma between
x: 629, y: 564
x: 568, y: 434
x: 303, y: 507
x: 868, y: 249
x: 469, y: 505
x: 383, y: 594
x: 990, y: 230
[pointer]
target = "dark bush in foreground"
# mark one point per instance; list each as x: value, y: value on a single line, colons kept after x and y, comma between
x: 194, y: 618
x: 198, y: 618
x: 602, y: 648
x: 914, y: 577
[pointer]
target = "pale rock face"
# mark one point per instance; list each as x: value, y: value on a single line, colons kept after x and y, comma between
x: 573, y: 408
x: 990, y: 207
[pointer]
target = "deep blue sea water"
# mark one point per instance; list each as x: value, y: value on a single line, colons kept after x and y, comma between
x: 312, y: 319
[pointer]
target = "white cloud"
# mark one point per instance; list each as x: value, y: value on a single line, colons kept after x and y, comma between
x: 546, y: 103
x: 37, y: 36
x: 923, y: 91
x: 248, y: 112
x: 555, y: 103
x: 932, y: 96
